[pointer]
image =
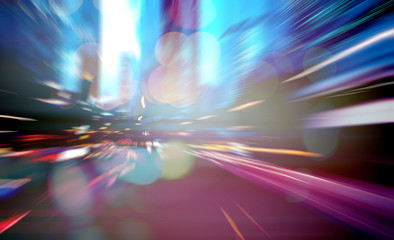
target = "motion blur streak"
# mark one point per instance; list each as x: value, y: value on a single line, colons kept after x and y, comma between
x: 225, y: 148
x: 246, y: 105
x: 377, y: 112
x: 342, y: 82
x: 359, y: 204
x: 13, y: 183
x: 72, y: 154
x: 367, y: 43
x: 11, y: 221
x: 251, y: 219
x: 120, y: 48
x: 232, y: 223
x: 17, y: 118
x: 134, y: 119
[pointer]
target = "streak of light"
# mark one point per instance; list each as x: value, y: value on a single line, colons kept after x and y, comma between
x: 185, y: 123
x: 375, y: 112
x: 240, y: 127
x: 373, y: 86
x: 143, y: 102
x: 37, y: 137
x: 87, y: 109
x: 5, y: 150
x: 17, y: 118
x: 252, y: 219
x: 1, y: 90
x: 258, y: 167
x: 372, y: 206
x: 17, y: 154
x: 138, y: 124
x: 206, y: 117
x: 53, y: 101
x: 72, y: 154
x: 26, y: 10
x: 6, y: 224
x: 246, y: 105
x: 139, y: 118
x: 180, y: 133
x: 339, y: 83
x: 7, y: 131
x: 225, y: 148
x: 107, y: 124
x: 232, y: 223
x: 372, y: 40
x: 83, y: 137
x: 346, y: 94
x: 210, y: 147
x: 361, y: 90
x: 52, y: 85
x: 13, y: 183
x: 117, y: 169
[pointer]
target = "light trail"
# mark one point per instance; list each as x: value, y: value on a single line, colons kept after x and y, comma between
x: 143, y: 102
x: 226, y: 148
x: 57, y: 102
x: 206, y: 117
x: 252, y: 219
x: 17, y: 118
x: 11, y: 221
x: 246, y: 105
x: 367, y: 43
x: 232, y: 223
x: 376, y: 112
x: 367, y: 207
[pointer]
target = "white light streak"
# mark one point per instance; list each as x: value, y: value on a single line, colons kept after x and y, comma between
x: 370, y: 41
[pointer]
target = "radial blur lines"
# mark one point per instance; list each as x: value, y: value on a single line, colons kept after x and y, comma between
x: 11, y: 221
x: 9, y: 187
x: 252, y: 219
x: 246, y: 105
x: 362, y: 205
x: 367, y: 43
x: 228, y: 148
x: 17, y: 118
x: 232, y: 223
x: 376, y: 112
x: 65, y: 7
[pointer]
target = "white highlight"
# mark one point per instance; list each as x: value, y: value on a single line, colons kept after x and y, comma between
x: 143, y: 102
x: 205, y: 117
x: 53, y: 101
x: 72, y: 153
x: 246, y: 105
x: 376, y: 112
x: 370, y: 41
x: 17, y: 118
x: 119, y: 35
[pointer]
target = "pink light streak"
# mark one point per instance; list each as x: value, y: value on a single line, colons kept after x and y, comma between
x: 369, y: 208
